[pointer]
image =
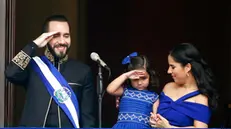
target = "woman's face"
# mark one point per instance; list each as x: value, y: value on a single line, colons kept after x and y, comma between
x: 141, y: 83
x: 177, y: 71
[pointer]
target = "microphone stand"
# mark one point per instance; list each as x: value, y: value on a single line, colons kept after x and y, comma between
x: 99, y: 92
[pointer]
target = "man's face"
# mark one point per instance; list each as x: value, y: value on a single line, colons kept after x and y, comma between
x: 59, y: 45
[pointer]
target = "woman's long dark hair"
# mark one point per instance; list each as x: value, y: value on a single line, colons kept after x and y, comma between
x: 138, y: 62
x: 186, y: 53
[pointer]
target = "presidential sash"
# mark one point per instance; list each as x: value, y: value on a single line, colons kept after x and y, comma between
x: 57, y: 87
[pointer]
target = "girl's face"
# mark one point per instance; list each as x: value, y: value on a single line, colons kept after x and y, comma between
x: 178, y: 72
x: 141, y: 83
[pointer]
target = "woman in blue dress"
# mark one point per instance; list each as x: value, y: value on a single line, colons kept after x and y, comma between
x: 188, y: 101
x: 136, y: 88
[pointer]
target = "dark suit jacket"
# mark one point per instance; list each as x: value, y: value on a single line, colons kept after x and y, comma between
x: 77, y: 74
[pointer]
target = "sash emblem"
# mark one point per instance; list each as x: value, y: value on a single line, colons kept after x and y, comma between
x: 62, y: 94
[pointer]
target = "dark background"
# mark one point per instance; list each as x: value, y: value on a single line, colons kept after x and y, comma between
x: 115, y: 28
x: 152, y: 28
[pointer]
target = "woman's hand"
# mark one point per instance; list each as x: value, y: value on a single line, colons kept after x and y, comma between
x: 153, y: 120
x: 162, y: 122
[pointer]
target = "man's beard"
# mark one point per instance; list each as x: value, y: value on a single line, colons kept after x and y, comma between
x: 61, y: 54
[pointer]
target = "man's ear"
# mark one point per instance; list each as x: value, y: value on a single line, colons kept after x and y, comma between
x: 188, y: 67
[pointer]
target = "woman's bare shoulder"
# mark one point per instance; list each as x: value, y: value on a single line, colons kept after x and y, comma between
x: 169, y: 86
x: 202, y: 99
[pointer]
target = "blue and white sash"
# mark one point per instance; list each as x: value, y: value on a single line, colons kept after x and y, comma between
x: 58, y: 88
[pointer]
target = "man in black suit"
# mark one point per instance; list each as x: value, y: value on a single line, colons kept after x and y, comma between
x: 42, y: 107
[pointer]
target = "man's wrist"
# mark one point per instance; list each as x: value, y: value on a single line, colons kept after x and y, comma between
x: 34, y: 45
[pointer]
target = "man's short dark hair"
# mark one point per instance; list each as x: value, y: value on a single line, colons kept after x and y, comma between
x: 59, y: 17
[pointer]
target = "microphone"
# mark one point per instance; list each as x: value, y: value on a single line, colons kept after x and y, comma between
x: 95, y: 57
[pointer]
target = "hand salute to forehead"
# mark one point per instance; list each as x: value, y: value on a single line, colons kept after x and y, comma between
x: 43, y: 39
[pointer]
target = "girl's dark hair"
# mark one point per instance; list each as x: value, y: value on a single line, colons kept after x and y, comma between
x: 186, y: 53
x: 141, y: 61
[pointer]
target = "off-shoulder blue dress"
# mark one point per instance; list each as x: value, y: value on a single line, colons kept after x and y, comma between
x: 182, y: 113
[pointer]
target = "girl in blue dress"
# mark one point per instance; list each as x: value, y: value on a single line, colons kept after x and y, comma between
x: 188, y: 101
x: 136, y: 88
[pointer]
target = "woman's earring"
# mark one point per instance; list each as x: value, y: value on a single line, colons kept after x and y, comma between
x: 187, y: 74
